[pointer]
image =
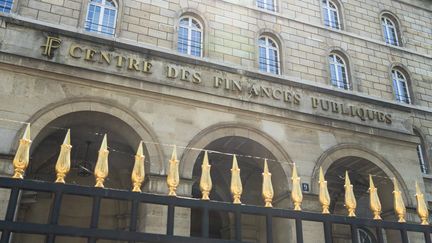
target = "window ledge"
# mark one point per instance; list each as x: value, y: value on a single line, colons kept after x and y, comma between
x: 427, y: 176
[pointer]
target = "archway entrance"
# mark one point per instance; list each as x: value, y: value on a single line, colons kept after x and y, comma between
x: 250, y: 157
x: 87, y: 130
x: 359, y: 170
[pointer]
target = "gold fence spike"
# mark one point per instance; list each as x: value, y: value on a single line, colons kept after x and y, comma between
x: 267, y: 187
x: 398, y: 203
x: 138, y: 172
x: 101, y: 167
x: 205, y: 181
x: 324, y: 196
x: 63, y: 164
x: 236, y: 184
x: 173, y: 178
x: 374, y: 201
x: 296, y: 193
x: 422, y: 209
x: 22, y: 156
x: 350, y: 200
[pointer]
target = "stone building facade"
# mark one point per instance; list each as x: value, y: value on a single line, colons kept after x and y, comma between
x: 342, y: 85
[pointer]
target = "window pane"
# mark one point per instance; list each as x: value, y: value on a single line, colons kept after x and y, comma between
x: 6, y: 6
x: 196, y: 43
x: 262, y: 59
x: 93, y: 18
x: 108, y: 22
x: 183, y: 40
x: 273, y: 61
x: 334, y: 18
x: 334, y: 79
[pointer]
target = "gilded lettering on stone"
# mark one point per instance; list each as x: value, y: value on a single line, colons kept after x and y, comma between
x: 51, y: 44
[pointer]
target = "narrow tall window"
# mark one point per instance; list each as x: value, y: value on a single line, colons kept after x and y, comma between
x: 338, y: 72
x: 269, y: 60
x: 421, y: 154
x: 101, y: 16
x: 267, y: 4
x: 6, y: 6
x: 390, y: 31
x: 331, y: 14
x: 190, y: 37
x: 400, y: 87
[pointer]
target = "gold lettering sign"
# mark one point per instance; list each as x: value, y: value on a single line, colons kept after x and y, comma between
x: 51, y: 44
x: 359, y: 112
x: 252, y: 89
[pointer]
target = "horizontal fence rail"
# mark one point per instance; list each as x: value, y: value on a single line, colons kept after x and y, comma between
x: 92, y: 232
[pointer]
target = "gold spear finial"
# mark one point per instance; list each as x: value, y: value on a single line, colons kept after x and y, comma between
x: 64, y: 160
x: 374, y: 201
x: 422, y: 209
x: 267, y: 187
x: 173, y: 178
x: 22, y: 156
x: 138, y: 172
x: 101, y: 167
x: 205, y: 181
x: 398, y: 203
x: 324, y: 196
x: 296, y: 193
x: 236, y: 184
x: 350, y: 200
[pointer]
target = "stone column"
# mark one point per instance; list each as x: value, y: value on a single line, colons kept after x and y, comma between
x: 152, y: 218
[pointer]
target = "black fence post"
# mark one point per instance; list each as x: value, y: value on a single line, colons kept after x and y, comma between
x: 205, y: 222
x: 328, y: 235
x: 238, y: 225
x: 299, y: 230
x: 10, y: 213
x: 269, y: 226
x: 354, y: 233
x: 133, y: 217
x: 170, y: 219
x: 94, y: 222
x: 55, y: 214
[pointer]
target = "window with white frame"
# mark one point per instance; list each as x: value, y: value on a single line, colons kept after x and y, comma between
x: 390, y: 31
x: 101, y: 16
x: 421, y: 154
x: 267, y: 4
x: 338, y: 71
x: 331, y: 14
x: 6, y: 6
x: 190, y: 36
x: 269, y: 60
x: 400, y: 87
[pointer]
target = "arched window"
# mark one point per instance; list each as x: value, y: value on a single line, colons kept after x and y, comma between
x: 101, y: 16
x: 338, y: 71
x: 331, y: 14
x: 269, y: 60
x: 190, y: 36
x: 267, y: 4
x: 6, y: 6
x: 421, y: 154
x: 364, y: 236
x: 390, y: 30
x: 400, y: 86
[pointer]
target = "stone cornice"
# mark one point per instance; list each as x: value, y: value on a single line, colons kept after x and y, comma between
x: 174, y: 56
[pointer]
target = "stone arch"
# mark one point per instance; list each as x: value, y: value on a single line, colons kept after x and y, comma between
x: 353, y: 150
x: 221, y: 130
x: 49, y: 113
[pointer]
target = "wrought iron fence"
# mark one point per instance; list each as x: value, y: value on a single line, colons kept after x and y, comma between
x: 51, y: 229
